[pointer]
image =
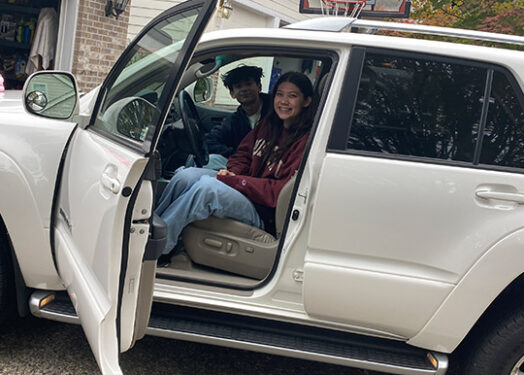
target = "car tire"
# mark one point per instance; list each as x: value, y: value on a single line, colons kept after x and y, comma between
x: 6, y: 303
x: 501, y: 350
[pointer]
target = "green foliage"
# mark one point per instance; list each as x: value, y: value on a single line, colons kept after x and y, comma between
x: 502, y: 16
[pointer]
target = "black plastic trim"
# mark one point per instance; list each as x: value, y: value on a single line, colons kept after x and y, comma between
x: 61, y: 305
x: 483, y: 116
x: 346, y: 106
x: 157, y: 238
x: 56, y: 196
x: 128, y: 221
x: 287, y: 335
x: 271, y: 333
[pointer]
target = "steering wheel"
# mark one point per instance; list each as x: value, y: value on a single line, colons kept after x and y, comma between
x: 191, y: 122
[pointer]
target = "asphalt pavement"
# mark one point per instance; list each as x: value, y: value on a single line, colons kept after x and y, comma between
x: 37, y: 346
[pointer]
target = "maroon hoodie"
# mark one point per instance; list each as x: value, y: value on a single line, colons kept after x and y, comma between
x: 245, y: 163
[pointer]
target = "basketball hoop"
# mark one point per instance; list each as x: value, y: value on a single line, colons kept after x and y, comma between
x: 343, y: 7
x: 356, y: 8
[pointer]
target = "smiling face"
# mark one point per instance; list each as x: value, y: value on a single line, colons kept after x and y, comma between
x: 289, y: 102
x: 246, y: 92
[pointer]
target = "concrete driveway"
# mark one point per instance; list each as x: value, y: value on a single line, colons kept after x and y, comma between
x: 37, y: 346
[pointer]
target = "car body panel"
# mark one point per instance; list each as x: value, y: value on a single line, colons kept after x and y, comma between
x: 89, y: 233
x: 479, y: 287
x: 31, y: 151
x: 408, y: 244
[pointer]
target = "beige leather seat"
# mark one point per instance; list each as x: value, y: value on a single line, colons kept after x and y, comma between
x: 236, y: 247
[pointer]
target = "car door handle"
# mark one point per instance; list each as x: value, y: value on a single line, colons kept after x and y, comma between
x: 110, y: 183
x: 501, y: 196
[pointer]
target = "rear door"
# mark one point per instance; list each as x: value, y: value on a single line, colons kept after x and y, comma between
x: 104, y: 208
x: 422, y: 175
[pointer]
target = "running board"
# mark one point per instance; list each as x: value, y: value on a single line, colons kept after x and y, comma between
x: 272, y: 337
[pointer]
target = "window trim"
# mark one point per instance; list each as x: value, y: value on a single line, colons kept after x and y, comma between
x: 520, y: 98
x: 339, y: 133
x: 483, y: 116
x: 341, y: 128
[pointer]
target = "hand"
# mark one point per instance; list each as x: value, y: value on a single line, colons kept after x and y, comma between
x: 225, y: 172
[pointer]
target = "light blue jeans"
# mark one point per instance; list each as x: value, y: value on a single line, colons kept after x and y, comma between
x: 216, y: 162
x: 195, y: 194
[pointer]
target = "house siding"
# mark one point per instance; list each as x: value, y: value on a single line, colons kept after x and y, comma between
x: 288, y: 8
x: 143, y: 11
x: 246, y: 13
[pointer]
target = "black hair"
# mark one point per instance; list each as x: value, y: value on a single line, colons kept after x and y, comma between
x: 242, y: 73
x: 298, y: 128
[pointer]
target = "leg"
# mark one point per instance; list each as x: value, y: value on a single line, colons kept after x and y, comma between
x: 216, y: 162
x: 181, y: 181
x: 205, y: 198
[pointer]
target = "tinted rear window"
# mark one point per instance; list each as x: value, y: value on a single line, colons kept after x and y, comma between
x: 418, y: 107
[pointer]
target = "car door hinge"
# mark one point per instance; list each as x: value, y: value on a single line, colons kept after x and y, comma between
x: 298, y: 275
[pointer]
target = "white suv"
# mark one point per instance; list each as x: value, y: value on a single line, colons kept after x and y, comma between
x: 400, y: 240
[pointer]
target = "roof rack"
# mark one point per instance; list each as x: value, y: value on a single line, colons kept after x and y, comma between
x: 338, y: 24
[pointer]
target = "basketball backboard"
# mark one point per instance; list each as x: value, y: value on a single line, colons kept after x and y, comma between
x: 369, y: 8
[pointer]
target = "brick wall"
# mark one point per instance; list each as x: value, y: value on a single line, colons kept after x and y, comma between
x: 99, y: 42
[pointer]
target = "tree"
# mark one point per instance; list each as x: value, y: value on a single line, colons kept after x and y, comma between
x: 502, y: 16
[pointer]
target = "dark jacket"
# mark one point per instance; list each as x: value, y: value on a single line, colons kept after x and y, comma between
x: 224, y: 139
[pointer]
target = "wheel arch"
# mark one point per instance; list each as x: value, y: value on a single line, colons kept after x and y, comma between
x: 492, y: 279
x: 510, y: 299
x: 503, y: 309
x: 24, y: 212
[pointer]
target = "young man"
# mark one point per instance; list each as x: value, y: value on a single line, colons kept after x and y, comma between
x: 244, y: 84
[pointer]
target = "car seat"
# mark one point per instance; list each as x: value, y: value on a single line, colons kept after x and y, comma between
x: 232, y: 246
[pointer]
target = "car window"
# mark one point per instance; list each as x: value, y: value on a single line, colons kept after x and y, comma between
x: 503, y: 142
x: 417, y: 106
x: 130, y: 102
x: 272, y: 66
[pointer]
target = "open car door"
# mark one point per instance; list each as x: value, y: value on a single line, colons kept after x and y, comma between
x: 103, y: 219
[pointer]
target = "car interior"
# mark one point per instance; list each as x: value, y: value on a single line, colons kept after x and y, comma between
x: 219, y: 251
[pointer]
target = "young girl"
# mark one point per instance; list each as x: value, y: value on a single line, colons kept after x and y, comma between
x: 265, y: 160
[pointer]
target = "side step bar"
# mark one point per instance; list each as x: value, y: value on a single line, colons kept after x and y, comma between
x: 267, y: 336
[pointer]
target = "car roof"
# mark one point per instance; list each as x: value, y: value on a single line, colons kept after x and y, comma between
x: 269, y: 37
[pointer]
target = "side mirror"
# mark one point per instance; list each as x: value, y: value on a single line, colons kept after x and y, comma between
x: 51, y: 94
x: 203, y: 90
x: 134, y: 118
x: 129, y: 117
